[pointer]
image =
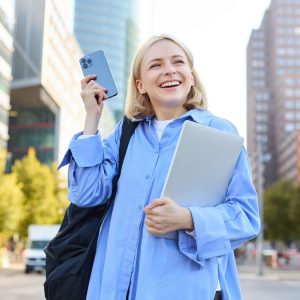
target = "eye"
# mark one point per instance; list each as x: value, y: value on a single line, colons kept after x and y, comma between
x: 179, y: 61
x: 154, y: 66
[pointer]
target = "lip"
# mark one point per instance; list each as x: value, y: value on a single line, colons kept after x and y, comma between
x: 170, y: 80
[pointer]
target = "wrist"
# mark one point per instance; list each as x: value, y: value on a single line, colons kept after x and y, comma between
x: 91, y: 124
x: 188, y: 223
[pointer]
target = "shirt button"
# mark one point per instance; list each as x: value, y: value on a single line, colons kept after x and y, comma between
x: 172, y: 124
x: 147, y: 176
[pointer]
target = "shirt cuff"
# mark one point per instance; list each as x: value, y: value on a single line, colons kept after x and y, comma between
x: 85, y: 136
x: 86, y: 152
x: 191, y: 233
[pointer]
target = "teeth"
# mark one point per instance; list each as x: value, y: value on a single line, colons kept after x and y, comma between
x: 170, y: 83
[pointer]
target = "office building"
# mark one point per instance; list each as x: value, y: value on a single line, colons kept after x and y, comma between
x: 45, y: 97
x: 112, y: 27
x: 6, y: 50
x: 273, y: 92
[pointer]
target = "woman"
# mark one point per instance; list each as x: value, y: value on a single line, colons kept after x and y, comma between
x: 132, y: 261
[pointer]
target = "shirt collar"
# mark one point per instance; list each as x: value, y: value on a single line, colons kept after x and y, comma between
x: 202, y: 116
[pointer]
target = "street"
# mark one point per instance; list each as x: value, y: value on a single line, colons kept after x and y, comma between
x: 262, y: 289
x: 15, y: 285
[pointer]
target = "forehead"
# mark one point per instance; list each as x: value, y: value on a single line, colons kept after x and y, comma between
x: 162, y: 49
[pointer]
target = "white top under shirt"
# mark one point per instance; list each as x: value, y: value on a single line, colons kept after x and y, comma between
x: 160, y: 127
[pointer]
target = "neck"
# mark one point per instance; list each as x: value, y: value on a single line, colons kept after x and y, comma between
x: 168, y: 113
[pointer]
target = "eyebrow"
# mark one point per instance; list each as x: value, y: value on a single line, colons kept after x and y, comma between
x: 159, y: 59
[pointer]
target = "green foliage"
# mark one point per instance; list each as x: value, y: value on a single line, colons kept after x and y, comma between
x: 39, y: 205
x: 33, y: 193
x: 10, y: 204
x: 281, y: 211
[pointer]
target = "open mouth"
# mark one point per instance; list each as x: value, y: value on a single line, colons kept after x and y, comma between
x: 170, y: 84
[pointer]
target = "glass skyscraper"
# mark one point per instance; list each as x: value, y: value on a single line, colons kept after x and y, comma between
x: 6, y: 48
x: 112, y: 27
x: 273, y: 93
x: 45, y: 94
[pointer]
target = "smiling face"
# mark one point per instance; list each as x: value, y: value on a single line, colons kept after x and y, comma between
x: 165, y: 75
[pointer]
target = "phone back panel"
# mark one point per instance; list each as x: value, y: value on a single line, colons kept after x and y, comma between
x: 96, y: 63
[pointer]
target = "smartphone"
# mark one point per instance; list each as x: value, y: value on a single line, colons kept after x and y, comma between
x: 96, y: 63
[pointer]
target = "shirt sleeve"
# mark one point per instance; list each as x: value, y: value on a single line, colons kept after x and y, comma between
x: 93, y: 163
x: 220, y: 229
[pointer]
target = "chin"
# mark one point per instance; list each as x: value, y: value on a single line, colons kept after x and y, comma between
x: 172, y: 102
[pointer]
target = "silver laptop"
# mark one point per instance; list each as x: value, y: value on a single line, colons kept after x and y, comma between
x: 202, y: 166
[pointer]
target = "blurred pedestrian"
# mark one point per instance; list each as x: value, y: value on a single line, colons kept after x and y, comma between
x: 131, y: 261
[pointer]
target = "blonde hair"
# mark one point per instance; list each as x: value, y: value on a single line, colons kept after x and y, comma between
x: 138, y: 105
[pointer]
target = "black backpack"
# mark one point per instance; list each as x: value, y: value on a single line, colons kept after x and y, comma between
x: 70, y: 254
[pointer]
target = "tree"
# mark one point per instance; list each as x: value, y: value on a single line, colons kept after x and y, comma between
x: 11, y: 198
x: 39, y: 205
x: 60, y: 191
x: 295, y: 213
x: 279, y: 200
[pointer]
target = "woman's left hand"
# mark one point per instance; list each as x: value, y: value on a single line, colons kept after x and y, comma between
x: 164, y: 215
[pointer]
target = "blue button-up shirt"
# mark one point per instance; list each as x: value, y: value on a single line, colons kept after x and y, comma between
x: 127, y: 255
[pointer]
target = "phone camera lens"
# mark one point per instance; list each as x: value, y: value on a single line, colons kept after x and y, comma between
x: 85, y: 65
x: 89, y: 61
x: 83, y: 61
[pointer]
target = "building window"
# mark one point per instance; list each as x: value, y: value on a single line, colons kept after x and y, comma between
x: 258, y: 44
x: 289, y: 81
x: 289, y: 116
x: 289, y: 93
x: 259, y: 83
x: 289, y: 104
x: 258, y: 63
x: 262, y: 106
x: 297, y: 30
x: 262, y: 138
x: 261, y: 117
x: 259, y: 74
x: 261, y: 128
x: 280, y: 72
x: 289, y: 127
x: 258, y: 54
x: 262, y: 96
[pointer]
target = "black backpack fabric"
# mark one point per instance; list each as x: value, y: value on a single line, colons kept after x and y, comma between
x: 70, y: 254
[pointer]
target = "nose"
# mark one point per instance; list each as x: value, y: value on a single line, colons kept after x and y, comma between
x: 169, y: 69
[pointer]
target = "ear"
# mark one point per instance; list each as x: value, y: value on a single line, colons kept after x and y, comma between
x: 140, y: 87
x: 192, y: 79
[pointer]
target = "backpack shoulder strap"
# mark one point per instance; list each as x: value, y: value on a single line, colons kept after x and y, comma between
x: 128, y: 128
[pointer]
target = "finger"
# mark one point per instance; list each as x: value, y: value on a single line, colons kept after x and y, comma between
x: 153, y: 230
x: 157, y: 202
x: 93, y: 83
x: 149, y: 222
x: 87, y: 79
x: 153, y: 225
x: 100, y: 94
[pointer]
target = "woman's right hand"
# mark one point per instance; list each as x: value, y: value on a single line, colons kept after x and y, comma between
x: 92, y: 95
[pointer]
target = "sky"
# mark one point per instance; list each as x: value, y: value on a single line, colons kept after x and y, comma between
x: 217, y: 32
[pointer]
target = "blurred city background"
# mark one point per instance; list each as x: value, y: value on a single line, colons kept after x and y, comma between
x: 247, y: 53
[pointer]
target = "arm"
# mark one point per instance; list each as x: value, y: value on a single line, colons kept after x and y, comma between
x: 93, y: 163
x: 220, y: 229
